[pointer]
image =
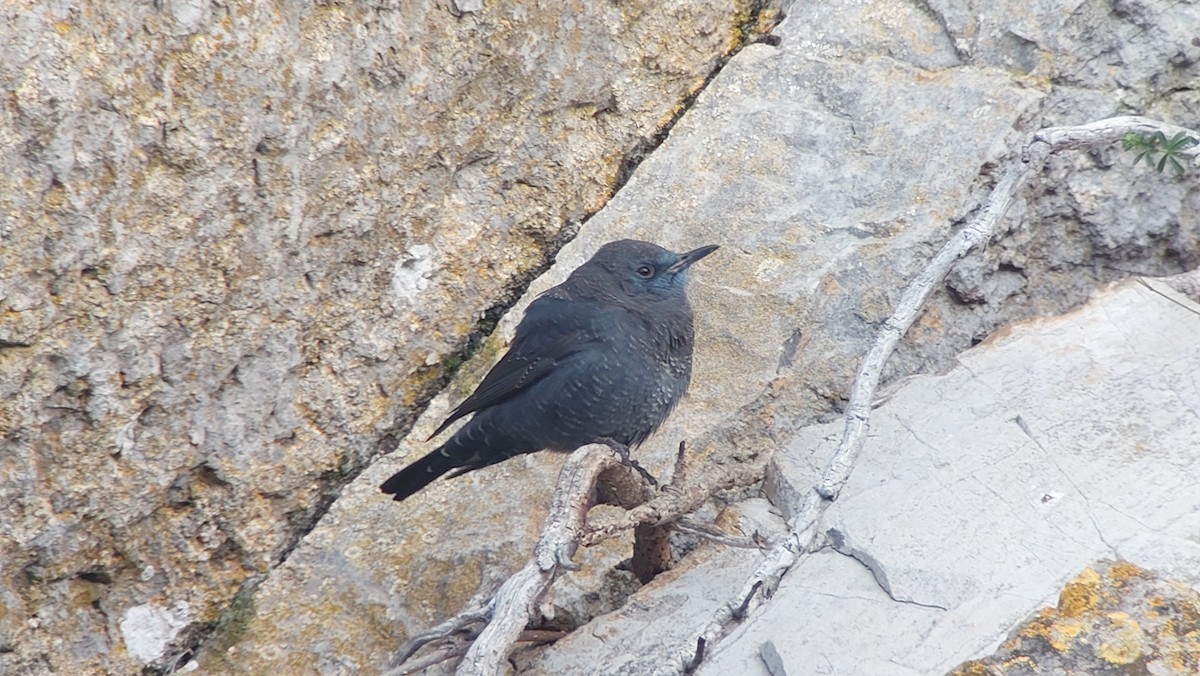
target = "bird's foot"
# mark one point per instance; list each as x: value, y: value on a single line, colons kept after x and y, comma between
x: 619, y: 448
x: 622, y: 450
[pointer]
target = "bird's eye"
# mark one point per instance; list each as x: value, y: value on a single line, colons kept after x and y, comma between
x: 645, y: 272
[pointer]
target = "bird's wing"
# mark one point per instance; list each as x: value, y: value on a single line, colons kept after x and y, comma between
x: 551, y: 331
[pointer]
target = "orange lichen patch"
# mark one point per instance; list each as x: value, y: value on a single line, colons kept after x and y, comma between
x: 1123, y: 571
x: 1154, y: 605
x: 1180, y: 651
x: 1187, y: 612
x: 1020, y: 663
x: 1179, y: 637
x: 1038, y: 627
x: 1116, y: 615
x: 1051, y: 627
x: 1080, y: 595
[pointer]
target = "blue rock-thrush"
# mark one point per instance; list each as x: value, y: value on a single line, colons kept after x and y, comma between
x: 603, y: 357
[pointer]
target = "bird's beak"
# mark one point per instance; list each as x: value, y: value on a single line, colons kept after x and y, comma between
x: 686, y: 260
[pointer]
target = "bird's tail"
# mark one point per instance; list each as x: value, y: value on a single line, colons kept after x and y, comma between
x: 419, y: 474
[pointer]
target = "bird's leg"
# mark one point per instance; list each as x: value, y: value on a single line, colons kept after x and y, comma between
x: 644, y: 472
x: 623, y: 451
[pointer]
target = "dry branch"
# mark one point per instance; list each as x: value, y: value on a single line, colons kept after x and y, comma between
x: 516, y: 601
x: 476, y: 613
x: 514, y: 604
x: 805, y: 525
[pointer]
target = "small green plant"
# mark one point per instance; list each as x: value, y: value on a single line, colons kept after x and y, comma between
x: 1157, y: 143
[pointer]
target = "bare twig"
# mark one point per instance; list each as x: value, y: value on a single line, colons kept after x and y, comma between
x: 1106, y: 132
x: 680, y: 474
x: 516, y: 601
x: 714, y: 534
x: 459, y: 648
x: 441, y: 654
x: 804, y: 526
x: 475, y: 614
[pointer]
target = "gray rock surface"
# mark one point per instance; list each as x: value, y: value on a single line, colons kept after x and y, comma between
x: 1054, y: 444
x: 241, y: 244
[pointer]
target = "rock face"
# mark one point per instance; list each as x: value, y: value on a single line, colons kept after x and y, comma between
x: 239, y: 247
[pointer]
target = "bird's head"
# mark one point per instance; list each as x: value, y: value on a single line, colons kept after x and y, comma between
x: 638, y: 270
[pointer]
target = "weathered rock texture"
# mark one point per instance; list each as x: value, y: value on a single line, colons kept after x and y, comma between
x: 274, y: 331
x: 238, y: 245
x: 829, y: 168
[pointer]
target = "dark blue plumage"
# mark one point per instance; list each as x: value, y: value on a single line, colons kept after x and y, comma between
x: 605, y: 355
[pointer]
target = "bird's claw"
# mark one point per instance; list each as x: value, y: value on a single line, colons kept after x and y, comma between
x: 645, y: 473
x: 622, y: 451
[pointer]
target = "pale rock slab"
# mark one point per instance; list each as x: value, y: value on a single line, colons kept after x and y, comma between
x: 1052, y: 445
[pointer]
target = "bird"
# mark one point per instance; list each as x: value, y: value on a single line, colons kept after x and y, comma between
x: 603, y: 357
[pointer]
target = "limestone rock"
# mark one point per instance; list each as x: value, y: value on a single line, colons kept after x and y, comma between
x: 1054, y: 444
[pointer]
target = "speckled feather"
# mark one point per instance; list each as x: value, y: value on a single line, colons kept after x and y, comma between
x: 605, y: 354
